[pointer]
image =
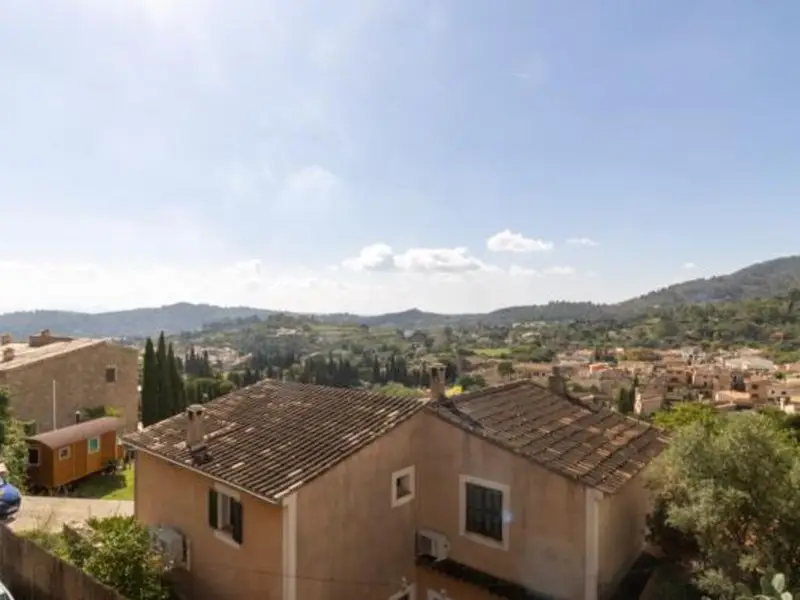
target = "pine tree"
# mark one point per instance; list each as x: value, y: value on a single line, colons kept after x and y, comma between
x: 149, y: 397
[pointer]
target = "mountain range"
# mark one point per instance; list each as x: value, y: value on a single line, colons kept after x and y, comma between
x: 761, y: 280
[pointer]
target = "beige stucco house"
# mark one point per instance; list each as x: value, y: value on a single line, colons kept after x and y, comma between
x: 299, y: 492
x: 53, y: 377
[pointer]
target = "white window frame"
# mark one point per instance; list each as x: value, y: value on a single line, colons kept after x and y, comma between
x: 436, y: 595
x: 224, y: 497
x: 463, y: 480
x: 89, y: 445
x: 409, y: 472
x: 410, y: 592
x: 65, y: 453
x: 38, y: 456
x: 116, y: 374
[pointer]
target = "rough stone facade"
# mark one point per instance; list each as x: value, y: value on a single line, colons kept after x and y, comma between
x: 81, y: 382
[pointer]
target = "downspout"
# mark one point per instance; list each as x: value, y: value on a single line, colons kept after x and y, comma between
x: 290, y: 547
x: 592, y: 553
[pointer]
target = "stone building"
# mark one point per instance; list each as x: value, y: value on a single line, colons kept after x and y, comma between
x: 52, y: 377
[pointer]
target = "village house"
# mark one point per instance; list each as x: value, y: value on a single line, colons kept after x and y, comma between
x: 55, y: 377
x: 298, y: 492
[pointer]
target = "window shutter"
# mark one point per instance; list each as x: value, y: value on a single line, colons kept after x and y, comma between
x: 237, y: 521
x: 213, y: 512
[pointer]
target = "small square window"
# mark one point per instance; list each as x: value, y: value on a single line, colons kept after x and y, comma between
x: 94, y: 445
x: 33, y: 457
x: 64, y: 453
x: 111, y: 374
x: 403, y: 486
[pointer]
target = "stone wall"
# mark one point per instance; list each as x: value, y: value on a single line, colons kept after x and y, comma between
x: 32, y: 573
x: 80, y: 377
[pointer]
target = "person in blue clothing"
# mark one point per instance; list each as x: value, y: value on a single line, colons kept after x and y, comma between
x: 10, y: 499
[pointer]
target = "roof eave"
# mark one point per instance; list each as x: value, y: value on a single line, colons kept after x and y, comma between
x: 176, y: 463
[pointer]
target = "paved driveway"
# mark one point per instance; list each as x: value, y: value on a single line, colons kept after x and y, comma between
x: 52, y: 513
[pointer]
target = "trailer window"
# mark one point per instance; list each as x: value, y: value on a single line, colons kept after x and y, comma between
x: 33, y: 459
x: 64, y: 453
x: 94, y: 445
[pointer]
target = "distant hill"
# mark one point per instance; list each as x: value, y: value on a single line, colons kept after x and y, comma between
x: 138, y: 322
x: 762, y: 280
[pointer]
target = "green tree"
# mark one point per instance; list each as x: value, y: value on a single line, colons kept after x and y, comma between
x: 176, y: 384
x: 505, y: 368
x: 118, y: 552
x: 150, y: 374
x: 164, y: 378
x: 12, y: 442
x: 732, y: 488
x: 626, y: 400
x: 682, y: 414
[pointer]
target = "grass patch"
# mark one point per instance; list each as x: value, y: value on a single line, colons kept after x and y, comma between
x: 493, y: 352
x: 118, y: 486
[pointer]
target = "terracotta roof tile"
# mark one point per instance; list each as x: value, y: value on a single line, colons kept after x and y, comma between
x: 600, y: 448
x: 272, y: 437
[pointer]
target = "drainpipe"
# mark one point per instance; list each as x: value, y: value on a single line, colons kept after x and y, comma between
x: 592, y: 553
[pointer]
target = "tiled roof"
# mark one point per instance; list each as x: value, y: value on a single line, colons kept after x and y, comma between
x: 272, y: 437
x: 25, y: 354
x: 600, y: 448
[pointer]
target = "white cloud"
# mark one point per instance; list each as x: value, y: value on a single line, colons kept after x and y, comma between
x: 377, y: 257
x: 559, y: 271
x: 508, y: 241
x: 381, y: 257
x: 93, y: 287
x: 517, y: 271
x: 581, y: 241
x: 689, y: 266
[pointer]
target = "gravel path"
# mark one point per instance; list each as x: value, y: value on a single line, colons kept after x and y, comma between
x: 52, y: 513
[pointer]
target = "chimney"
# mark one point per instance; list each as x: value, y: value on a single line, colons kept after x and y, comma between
x: 556, y: 382
x: 8, y: 354
x: 6, y: 339
x: 437, y: 384
x: 195, y: 431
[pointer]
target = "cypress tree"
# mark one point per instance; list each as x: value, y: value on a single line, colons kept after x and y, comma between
x: 178, y: 399
x: 164, y: 378
x: 149, y: 397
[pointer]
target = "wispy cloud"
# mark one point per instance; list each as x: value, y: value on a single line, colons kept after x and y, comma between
x: 581, y: 241
x: 689, y: 266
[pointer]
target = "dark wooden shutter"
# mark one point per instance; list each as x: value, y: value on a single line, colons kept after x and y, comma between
x: 237, y: 521
x: 213, y: 512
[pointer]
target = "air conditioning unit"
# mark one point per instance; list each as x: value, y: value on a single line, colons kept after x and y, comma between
x: 172, y: 544
x: 433, y: 544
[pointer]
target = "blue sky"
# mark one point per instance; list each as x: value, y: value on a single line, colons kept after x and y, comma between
x: 361, y: 154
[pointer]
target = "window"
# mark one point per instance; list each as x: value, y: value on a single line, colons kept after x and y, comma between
x: 403, y: 485
x: 33, y: 457
x: 111, y: 374
x: 64, y: 453
x: 484, y: 506
x: 94, y: 445
x: 225, y: 514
